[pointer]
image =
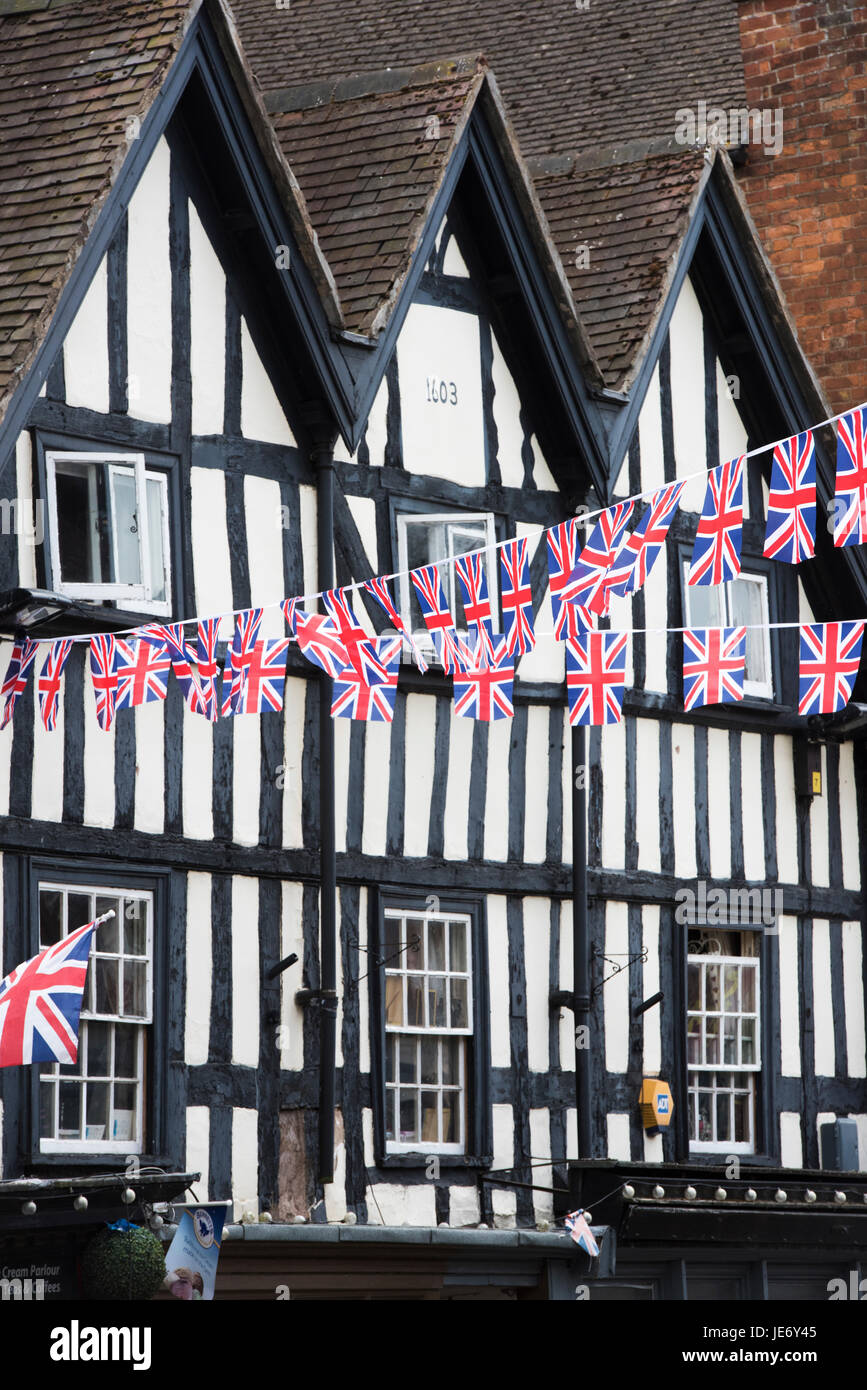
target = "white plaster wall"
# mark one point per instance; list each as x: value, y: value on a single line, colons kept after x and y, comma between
x: 199, y: 1147
x: 498, y: 981
x: 536, y: 785
x: 456, y: 819
x: 543, y: 1174
x: 787, y: 831
x: 149, y: 293
x: 150, y: 793
x: 420, y: 729
x: 719, y: 802
x: 503, y: 1124
x: 616, y: 993
x: 687, y: 395
x: 442, y: 440
x: 211, y: 566
x: 377, y: 760
x: 650, y: 436
x: 537, y: 937
x: 265, y: 552
x: 683, y: 788
x: 262, y: 415
x: 47, y: 783
x: 85, y: 348
x: 197, y: 776
x: 500, y: 734
x: 245, y: 971
x: 291, y: 1036
x: 823, y: 1020
x: 197, y: 1021
x: 617, y: 1126
x: 819, y: 851
x: 790, y: 996
x: 614, y: 795
x: 849, y: 819
x: 207, y: 330
x: 752, y: 806
x: 31, y: 524
x: 247, y: 776
x: 647, y: 793
x: 294, y: 704
x: 651, y: 1020
x: 245, y: 1161
x: 853, y: 994
x: 791, y: 1147
x: 342, y: 732
x: 99, y: 761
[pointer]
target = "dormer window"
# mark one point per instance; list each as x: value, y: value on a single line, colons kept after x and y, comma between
x: 109, y: 529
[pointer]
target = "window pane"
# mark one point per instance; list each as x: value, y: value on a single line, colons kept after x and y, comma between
x: 451, y: 1117
x: 123, y: 1126
x: 712, y: 1040
x: 97, y: 1048
x: 730, y: 1041
x: 46, y: 1111
x: 429, y: 1061
x: 458, y: 946
x: 78, y: 911
x: 746, y: 597
x: 97, y: 1109
x: 460, y: 1017
x: 126, y: 527
x: 722, y: 1116
x: 106, y: 986
x: 389, y: 1114
x: 135, y: 926
x: 107, y: 935
x: 50, y: 917
x: 693, y: 1039
x: 125, y: 1035
x: 436, y: 946
x: 692, y: 1110
x: 451, y: 1053
x: 743, y: 1115
x: 748, y: 985
x: 70, y: 1110
x: 731, y: 989
x: 415, y: 1001
x: 704, y: 606
x: 712, y: 999
x: 394, y: 1000
x: 693, y: 987
x: 748, y: 1045
x: 135, y: 988
x: 156, y: 493
x: 429, y: 1117
x: 414, y: 944
x: 704, y: 1112
x: 408, y: 1059
x: 390, y: 1048
x: 392, y: 939
x: 408, y: 1122
x: 437, y: 1002
x: 82, y: 522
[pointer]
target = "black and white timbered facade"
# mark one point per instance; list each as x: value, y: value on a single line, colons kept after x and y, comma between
x: 189, y: 371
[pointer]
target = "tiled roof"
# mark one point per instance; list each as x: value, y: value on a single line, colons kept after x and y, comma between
x: 71, y: 76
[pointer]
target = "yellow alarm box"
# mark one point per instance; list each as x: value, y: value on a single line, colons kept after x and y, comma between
x: 656, y: 1103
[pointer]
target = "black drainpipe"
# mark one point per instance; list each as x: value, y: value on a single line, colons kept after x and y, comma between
x: 580, y: 943
x: 323, y: 455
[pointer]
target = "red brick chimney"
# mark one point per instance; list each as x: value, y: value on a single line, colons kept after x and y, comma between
x: 809, y: 201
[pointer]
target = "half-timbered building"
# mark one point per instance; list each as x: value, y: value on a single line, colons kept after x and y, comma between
x: 317, y: 320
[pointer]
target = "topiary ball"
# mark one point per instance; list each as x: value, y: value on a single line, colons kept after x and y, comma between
x: 121, y: 1265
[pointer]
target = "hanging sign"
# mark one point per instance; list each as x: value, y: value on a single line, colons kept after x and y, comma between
x: 191, y: 1259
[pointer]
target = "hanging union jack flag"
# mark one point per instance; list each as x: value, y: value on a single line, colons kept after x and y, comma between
x: 320, y: 641
x: 596, y: 677
x: 587, y: 585
x: 484, y: 681
x: 791, y: 528
x: 517, y: 597
x: 40, y: 1003
x: 142, y: 673
x: 562, y: 545
x: 239, y: 657
x: 49, y: 681
x: 713, y: 665
x: 638, y: 551
x: 850, y: 492
x: 338, y: 602
x: 379, y: 588
x: 576, y: 1225
x: 716, y: 556
x: 470, y: 570
x: 436, y: 613
x: 170, y: 637
x: 103, y: 671
x: 263, y: 678
x: 15, y: 680
x: 830, y: 656
x: 367, y: 691
x: 206, y: 664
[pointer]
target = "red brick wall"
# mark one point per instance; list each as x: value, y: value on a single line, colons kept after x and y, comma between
x: 809, y: 201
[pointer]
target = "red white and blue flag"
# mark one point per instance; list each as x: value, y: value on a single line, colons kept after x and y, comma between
x: 263, y: 678
x: 596, y: 677
x: 576, y: 1225
x: 320, y: 641
x: 517, y: 597
x: 483, y: 681
x: 713, y: 665
x: 830, y: 656
x: 239, y: 657
x: 40, y: 1003
x: 473, y: 580
x: 49, y: 681
x: 562, y: 545
x: 791, y: 529
x: 638, y: 550
x: 587, y: 587
x: 206, y: 665
x: 379, y: 588
x: 436, y: 613
x: 170, y: 637
x: 850, y: 492
x: 15, y: 680
x: 142, y: 672
x: 338, y: 603
x: 367, y: 690
x: 103, y: 672
x: 716, y: 556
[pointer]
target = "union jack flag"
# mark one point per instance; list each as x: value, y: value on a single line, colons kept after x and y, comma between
x: 338, y: 602
x: 368, y: 691
x: 586, y: 586
x: 850, y: 492
x: 379, y: 589
x: 716, y: 556
x: 830, y: 656
x: 576, y: 1225
x: 473, y: 580
x: 103, y: 658
x: 638, y: 551
x: 596, y: 677
x: 170, y: 636
x: 49, y: 681
x: 435, y: 611
x: 517, y: 597
x: 15, y: 680
x: 483, y: 683
x: 240, y: 656
x: 263, y: 678
x: 206, y: 661
x: 713, y: 665
x: 562, y: 544
x: 40, y: 1003
x: 791, y: 528
x: 142, y: 673
x: 320, y: 641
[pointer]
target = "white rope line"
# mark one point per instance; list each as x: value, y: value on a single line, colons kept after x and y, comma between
x: 359, y: 585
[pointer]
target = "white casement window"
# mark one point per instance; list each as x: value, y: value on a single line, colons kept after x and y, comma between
x: 97, y: 1104
x: 723, y: 1040
x: 423, y: 538
x: 740, y: 602
x: 108, y: 518
x: 428, y: 1022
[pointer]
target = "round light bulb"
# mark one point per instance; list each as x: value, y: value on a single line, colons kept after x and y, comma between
x: 810, y: 1195
x: 689, y: 1193
x: 720, y: 1194
x: 127, y: 1196
x: 658, y: 1191
x: 28, y: 1208
x: 629, y: 1191
x: 80, y: 1204
x: 839, y: 1198
x: 780, y: 1195
x: 750, y: 1194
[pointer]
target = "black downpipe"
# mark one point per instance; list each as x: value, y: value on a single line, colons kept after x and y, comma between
x: 328, y: 863
x: 580, y: 943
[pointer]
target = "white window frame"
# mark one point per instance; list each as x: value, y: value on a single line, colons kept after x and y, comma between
x: 398, y: 970
x: 451, y: 522
x: 759, y: 690
x: 139, y: 596
x: 705, y: 1075
x: 107, y: 1146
